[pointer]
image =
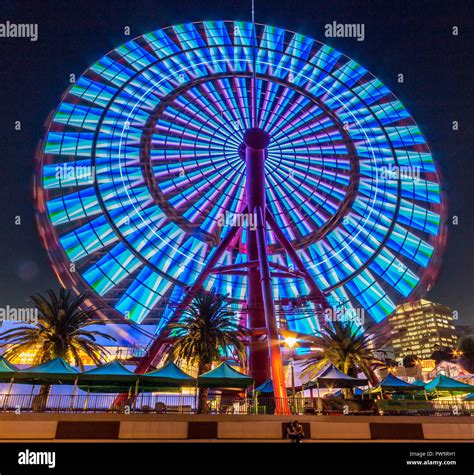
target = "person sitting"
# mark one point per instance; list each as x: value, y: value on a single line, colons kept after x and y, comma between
x: 295, y: 432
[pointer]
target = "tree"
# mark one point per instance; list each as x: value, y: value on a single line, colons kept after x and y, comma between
x: 206, y: 330
x: 442, y: 353
x: 348, y: 347
x: 466, y: 347
x: 61, y: 331
x: 409, y: 361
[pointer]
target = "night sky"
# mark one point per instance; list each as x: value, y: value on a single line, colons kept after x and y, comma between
x: 410, y: 37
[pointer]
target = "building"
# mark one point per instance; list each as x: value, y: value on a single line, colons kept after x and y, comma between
x: 417, y: 327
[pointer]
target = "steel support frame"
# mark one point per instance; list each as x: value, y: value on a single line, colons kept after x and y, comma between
x: 259, y: 279
x: 265, y: 359
x: 154, y: 349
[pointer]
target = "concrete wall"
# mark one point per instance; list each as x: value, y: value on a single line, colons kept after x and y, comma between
x: 349, y: 430
x: 437, y: 431
x: 180, y: 427
x: 24, y: 429
x: 153, y: 430
x: 246, y: 430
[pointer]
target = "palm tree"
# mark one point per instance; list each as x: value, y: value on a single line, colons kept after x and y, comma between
x: 348, y: 347
x: 207, y: 328
x: 61, y: 331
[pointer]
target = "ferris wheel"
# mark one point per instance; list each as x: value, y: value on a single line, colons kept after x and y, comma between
x: 219, y: 154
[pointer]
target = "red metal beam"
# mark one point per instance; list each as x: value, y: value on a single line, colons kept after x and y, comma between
x: 278, y: 375
x: 254, y: 156
x: 225, y: 269
x: 294, y: 273
x: 298, y: 262
x: 154, y: 349
x: 259, y: 279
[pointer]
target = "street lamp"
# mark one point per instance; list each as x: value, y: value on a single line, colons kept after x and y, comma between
x: 291, y: 343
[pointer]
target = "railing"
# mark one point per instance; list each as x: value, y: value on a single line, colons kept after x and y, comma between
x: 425, y: 408
x: 187, y: 404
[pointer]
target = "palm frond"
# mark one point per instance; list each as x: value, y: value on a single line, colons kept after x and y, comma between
x: 61, y: 330
x: 206, y: 329
x: 348, y: 347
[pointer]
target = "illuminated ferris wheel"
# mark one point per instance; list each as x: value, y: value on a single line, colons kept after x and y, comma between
x: 244, y: 158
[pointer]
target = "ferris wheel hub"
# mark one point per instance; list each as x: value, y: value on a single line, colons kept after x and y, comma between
x: 256, y: 138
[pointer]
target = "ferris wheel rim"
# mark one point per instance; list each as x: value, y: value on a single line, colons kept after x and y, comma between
x: 442, y: 208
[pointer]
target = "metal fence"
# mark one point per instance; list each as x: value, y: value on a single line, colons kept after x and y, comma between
x: 187, y: 404
x: 425, y: 408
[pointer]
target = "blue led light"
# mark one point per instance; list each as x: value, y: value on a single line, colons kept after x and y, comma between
x: 350, y: 179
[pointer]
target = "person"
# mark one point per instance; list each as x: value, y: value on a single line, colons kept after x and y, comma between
x: 295, y: 432
x: 290, y: 432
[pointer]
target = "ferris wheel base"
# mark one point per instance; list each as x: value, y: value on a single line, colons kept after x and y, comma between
x: 265, y: 360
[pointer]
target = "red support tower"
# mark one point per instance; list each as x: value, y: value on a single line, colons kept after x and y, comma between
x: 265, y: 357
x: 256, y: 142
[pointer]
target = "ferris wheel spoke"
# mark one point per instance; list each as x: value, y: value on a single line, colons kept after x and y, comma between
x: 191, y: 185
x: 186, y: 127
x: 279, y: 104
x: 266, y: 97
x: 207, y: 116
x: 300, y: 110
x: 143, y: 295
x: 370, y: 295
x: 211, y: 199
x: 186, y: 173
x: 298, y: 181
x: 88, y: 238
x: 316, y: 207
x: 311, y: 135
x: 306, y: 169
x: 421, y: 219
x: 231, y: 201
x: 111, y: 269
x: 320, y: 162
x: 385, y: 264
x: 309, y: 118
x: 294, y: 213
x: 73, y: 206
x: 219, y: 100
x: 275, y: 104
x: 401, y: 241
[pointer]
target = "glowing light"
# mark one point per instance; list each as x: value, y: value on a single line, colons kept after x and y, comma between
x: 158, y: 121
x: 290, y: 342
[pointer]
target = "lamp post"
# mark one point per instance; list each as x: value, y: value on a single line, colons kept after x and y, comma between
x: 291, y: 343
